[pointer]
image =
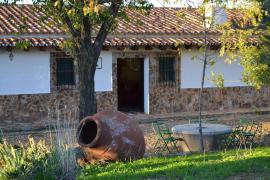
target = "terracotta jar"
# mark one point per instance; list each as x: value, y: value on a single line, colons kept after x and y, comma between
x: 110, y: 136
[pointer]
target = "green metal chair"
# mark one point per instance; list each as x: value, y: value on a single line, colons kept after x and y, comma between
x: 251, y: 131
x: 243, y: 135
x: 166, y: 140
x: 232, y: 140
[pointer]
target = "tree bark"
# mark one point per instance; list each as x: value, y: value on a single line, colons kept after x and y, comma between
x: 87, y: 61
x: 87, y: 54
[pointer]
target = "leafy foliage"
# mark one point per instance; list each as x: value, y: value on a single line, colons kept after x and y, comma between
x: 247, y: 39
x: 23, y: 45
x: 217, y: 79
x: 255, y: 62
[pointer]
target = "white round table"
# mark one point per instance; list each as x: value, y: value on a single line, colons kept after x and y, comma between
x: 191, y: 135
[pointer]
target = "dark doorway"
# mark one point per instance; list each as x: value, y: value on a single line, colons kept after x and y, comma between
x: 130, y: 84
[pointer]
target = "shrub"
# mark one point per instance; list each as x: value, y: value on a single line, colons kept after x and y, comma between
x: 36, y: 161
x: 21, y: 161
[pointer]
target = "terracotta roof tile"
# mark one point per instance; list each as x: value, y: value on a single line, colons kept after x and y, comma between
x: 112, y: 42
x: 32, y: 41
x: 25, y: 19
x: 141, y: 30
x: 14, y: 18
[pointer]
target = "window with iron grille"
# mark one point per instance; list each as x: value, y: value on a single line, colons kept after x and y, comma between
x: 65, y: 71
x: 166, y: 69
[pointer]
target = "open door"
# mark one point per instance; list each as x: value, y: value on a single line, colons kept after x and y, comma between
x: 130, y: 84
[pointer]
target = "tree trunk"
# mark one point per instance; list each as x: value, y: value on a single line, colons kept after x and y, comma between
x: 201, y: 102
x: 202, y: 85
x: 87, y: 59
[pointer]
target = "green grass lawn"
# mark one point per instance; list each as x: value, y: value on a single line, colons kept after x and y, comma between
x: 220, y: 165
x: 36, y: 161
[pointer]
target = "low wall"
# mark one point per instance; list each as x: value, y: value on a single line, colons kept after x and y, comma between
x: 36, y: 111
x: 168, y: 99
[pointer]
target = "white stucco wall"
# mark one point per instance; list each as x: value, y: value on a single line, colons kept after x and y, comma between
x: 146, y: 84
x: 191, y: 70
x: 27, y: 73
x: 103, y: 76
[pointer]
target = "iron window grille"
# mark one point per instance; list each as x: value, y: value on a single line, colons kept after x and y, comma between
x: 65, y: 71
x: 167, y: 69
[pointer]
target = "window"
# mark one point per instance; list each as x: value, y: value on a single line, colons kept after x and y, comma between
x: 65, y: 71
x: 166, y: 69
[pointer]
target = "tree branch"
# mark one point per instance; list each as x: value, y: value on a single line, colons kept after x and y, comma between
x: 104, y: 29
x: 63, y: 14
x: 68, y: 22
x: 104, y: 1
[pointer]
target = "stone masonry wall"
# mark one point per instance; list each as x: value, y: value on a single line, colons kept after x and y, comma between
x: 35, y: 111
x: 170, y: 99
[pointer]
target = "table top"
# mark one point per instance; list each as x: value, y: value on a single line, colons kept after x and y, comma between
x: 207, y: 129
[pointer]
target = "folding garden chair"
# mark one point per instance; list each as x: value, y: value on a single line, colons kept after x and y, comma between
x: 165, y: 140
x: 243, y: 135
x: 251, y: 132
x: 230, y: 141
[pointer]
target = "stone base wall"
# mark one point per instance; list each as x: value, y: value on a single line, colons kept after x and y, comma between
x: 36, y: 111
x: 106, y: 101
x: 166, y: 99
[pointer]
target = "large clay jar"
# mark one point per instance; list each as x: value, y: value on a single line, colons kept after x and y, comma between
x: 110, y: 136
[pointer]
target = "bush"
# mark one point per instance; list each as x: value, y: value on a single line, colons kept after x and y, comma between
x: 21, y: 161
x: 36, y: 161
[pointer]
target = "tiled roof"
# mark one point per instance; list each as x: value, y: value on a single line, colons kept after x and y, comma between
x: 159, y: 21
x: 162, y: 21
x: 17, y: 18
x: 24, y: 19
x: 165, y: 21
x: 160, y: 41
x: 155, y: 41
x: 32, y: 41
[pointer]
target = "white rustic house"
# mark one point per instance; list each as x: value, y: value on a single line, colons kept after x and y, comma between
x: 140, y: 68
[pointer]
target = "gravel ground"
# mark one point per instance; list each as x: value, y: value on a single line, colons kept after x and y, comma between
x: 150, y: 137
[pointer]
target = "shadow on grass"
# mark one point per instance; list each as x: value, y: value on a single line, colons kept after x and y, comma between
x: 213, y: 167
